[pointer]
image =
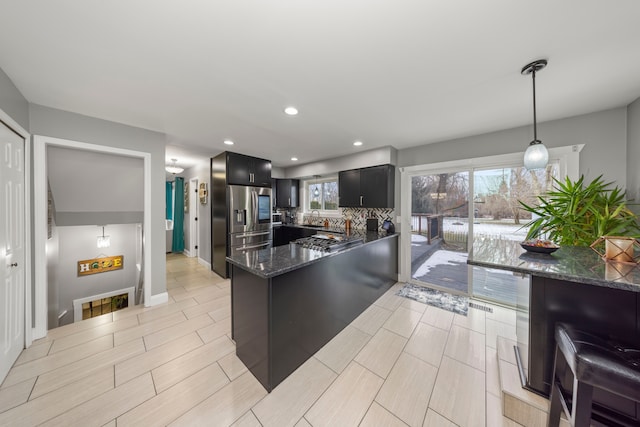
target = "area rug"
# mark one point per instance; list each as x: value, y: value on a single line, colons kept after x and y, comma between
x: 455, y: 303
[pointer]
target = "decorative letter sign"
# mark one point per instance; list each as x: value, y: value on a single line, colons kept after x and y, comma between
x: 100, y: 265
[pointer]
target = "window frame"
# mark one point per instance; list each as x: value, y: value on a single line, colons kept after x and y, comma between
x: 307, y: 197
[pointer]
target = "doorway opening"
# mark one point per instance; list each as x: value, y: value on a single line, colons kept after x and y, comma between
x: 41, y: 216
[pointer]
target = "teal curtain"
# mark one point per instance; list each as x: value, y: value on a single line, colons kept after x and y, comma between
x: 168, y: 203
x: 178, y: 217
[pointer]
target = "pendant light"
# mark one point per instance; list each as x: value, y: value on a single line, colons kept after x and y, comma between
x: 536, y: 156
x: 103, y: 241
x: 316, y: 192
x: 173, y: 167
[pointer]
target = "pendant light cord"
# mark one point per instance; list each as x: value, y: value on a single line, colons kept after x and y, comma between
x: 535, y: 125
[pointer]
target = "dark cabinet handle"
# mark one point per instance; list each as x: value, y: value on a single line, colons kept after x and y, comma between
x: 14, y: 264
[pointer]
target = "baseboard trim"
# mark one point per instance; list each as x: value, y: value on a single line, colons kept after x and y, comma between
x: 158, y: 299
x: 205, y: 263
x: 187, y: 253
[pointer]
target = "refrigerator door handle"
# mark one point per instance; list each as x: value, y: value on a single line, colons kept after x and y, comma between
x: 242, y: 248
x: 254, y: 210
x: 264, y: 233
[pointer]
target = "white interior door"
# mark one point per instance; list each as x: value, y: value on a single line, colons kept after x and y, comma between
x: 193, y: 226
x: 12, y: 252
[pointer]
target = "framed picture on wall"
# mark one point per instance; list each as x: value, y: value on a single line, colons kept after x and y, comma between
x: 203, y: 193
x: 186, y: 197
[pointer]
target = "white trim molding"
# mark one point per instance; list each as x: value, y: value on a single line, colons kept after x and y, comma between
x: 40, y: 144
x: 204, y: 262
x: 158, y: 299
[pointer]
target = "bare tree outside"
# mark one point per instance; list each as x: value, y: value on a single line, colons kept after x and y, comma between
x: 498, y: 195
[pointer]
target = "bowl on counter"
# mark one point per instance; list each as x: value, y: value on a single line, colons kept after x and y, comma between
x: 539, y: 246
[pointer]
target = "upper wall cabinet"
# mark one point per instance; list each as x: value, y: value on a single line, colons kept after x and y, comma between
x: 287, y: 193
x: 368, y: 187
x: 247, y: 170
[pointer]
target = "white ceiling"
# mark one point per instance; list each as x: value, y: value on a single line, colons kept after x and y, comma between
x: 396, y: 72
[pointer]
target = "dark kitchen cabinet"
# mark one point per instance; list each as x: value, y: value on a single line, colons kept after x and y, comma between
x: 287, y: 193
x: 349, y: 188
x: 247, y: 170
x: 274, y: 193
x: 372, y: 187
x: 279, y: 237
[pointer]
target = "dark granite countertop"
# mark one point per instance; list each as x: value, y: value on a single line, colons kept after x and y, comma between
x: 329, y: 229
x: 271, y: 262
x: 572, y: 263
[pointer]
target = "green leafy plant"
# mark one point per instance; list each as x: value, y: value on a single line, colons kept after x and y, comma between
x: 575, y: 214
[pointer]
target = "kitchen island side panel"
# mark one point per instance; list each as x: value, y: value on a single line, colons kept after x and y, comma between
x: 280, y: 322
x: 250, y: 321
x: 312, y: 305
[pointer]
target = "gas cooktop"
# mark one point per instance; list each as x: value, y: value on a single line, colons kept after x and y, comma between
x: 328, y: 242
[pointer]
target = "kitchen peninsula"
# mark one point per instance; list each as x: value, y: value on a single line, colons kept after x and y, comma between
x: 572, y: 285
x: 289, y: 301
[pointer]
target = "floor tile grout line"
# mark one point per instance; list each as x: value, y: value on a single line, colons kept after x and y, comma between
x: 57, y: 367
x: 384, y: 380
x: 175, y: 417
x: 79, y: 404
x: 256, y: 417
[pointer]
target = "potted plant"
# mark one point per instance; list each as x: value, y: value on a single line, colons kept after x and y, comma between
x: 575, y: 214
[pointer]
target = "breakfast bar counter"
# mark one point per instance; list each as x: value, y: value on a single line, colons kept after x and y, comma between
x: 572, y: 285
x: 573, y: 263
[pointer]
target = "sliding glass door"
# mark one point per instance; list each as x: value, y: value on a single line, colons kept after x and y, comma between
x: 452, y: 209
x: 440, y: 230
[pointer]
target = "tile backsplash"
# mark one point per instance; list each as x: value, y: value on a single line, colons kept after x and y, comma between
x: 358, y: 218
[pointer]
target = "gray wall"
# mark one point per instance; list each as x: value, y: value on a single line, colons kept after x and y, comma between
x: 79, y: 243
x: 603, y: 133
x: 633, y: 153
x: 61, y: 124
x: 12, y: 102
x: 378, y: 156
x: 201, y: 172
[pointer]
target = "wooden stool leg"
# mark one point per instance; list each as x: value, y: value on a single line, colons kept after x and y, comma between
x: 556, y: 396
x: 582, y: 400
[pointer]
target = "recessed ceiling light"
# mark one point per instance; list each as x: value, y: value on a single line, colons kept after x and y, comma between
x: 291, y: 111
x: 357, y: 143
x: 228, y: 142
x: 295, y: 159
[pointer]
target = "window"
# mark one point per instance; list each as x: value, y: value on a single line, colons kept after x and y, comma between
x: 104, y: 305
x: 322, y: 195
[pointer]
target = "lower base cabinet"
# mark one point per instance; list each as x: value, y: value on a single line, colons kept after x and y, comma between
x: 280, y: 322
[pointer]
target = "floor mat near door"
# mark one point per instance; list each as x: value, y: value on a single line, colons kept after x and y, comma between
x: 455, y: 303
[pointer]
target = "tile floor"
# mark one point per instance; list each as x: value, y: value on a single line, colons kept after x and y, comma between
x: 401, y: 363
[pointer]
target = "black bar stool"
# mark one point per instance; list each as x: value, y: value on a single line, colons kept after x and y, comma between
x: 595, y: 363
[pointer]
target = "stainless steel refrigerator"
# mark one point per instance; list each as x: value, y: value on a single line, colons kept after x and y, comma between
x: 249, y: 218
x: 241, y: 224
